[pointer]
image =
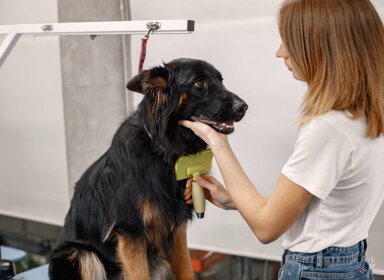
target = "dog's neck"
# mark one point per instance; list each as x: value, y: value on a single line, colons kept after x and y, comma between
x: 160, y: 146
x: 172, y: 141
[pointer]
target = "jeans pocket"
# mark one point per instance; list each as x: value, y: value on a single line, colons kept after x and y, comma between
x: 290, y: 271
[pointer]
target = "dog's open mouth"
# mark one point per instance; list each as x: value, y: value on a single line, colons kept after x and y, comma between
x: 222, y: 127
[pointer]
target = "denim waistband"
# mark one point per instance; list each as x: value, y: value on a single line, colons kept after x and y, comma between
x: 329, y: 255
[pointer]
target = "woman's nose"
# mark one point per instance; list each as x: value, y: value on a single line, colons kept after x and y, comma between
x: 281, y: 51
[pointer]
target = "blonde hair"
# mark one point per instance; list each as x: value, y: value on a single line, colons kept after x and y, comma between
x: 338, y: 48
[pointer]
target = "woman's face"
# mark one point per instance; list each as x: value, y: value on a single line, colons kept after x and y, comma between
x: 282, y: 53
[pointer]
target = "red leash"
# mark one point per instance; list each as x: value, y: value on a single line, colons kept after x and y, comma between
x: 143, y: 51
x: 151, y: 26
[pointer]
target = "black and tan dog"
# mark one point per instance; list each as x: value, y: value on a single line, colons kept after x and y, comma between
x: 128, y: 217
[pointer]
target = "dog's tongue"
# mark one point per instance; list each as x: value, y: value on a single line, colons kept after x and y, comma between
x: 224, y: 127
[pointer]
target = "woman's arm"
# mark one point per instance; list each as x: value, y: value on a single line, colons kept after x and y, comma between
x: 268, y: 217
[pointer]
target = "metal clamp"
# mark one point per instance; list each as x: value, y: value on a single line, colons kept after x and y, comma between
x: 152, y: 26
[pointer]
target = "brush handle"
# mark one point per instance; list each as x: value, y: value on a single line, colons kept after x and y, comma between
x: 198, y: 199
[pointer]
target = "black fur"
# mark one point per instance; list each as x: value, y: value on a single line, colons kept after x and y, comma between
x: 139, y: 165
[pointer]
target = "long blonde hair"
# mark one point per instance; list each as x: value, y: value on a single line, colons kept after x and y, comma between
x: 338, y: 48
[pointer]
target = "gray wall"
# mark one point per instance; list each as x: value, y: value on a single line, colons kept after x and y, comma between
x: 61, y: 100
x: 93, y: 84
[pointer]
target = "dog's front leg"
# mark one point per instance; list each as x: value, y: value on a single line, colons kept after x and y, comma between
x: 180, y: 259
x: 133, y: 258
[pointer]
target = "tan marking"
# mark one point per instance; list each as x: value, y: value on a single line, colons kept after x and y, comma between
x: 148, y: 211
x: 133, y: 258
x: 182, y: 98
x: 73, y: 255
x: 154, y: 83
x: 157, y: 227
x: 180, y: 259
x: 91, y: 267
x: 161, y: 99
x: 158, y: 82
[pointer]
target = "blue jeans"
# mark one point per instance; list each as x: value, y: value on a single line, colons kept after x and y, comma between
x: 332, y: 263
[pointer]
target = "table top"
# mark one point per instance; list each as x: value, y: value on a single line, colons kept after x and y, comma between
x: 39, y: 273
x: 12, y: 254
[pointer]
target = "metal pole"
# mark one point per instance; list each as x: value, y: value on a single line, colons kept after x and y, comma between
x: 7, y: 46
x: 88, y: 28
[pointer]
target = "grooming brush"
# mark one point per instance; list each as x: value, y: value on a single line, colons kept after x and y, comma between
x: 192, y: 166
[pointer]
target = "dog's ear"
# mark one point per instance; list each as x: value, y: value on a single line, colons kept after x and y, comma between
x: 155, y: 78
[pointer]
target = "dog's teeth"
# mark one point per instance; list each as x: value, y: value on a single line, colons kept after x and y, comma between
x: 228, y: 125
x: 220, y: 126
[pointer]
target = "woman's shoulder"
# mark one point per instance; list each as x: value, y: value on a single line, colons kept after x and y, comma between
x: 328, y: 122
x: 336, y: 123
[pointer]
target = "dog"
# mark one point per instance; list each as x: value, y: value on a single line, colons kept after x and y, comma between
x: 128, y: 216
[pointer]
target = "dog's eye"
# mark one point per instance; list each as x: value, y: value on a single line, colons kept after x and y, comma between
x: 199, y: 84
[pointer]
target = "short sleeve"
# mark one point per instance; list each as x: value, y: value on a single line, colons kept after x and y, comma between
x: 319, y: 159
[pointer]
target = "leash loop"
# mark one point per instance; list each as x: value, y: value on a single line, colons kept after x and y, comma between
x: 151, y: 27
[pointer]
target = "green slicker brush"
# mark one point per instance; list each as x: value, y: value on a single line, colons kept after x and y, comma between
x: 192, y: 166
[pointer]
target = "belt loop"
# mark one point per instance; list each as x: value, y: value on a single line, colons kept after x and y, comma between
x: 283, y: 258
x: 319, y: 260
x: 365, y: 246
x: 362, y: 247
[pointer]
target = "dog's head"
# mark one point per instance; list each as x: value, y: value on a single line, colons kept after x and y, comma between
x: 187, y: 89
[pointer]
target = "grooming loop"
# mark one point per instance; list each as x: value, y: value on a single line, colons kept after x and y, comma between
x: 151, y: 27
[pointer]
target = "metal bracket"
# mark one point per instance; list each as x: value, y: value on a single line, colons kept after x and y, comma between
x: 154, y: 25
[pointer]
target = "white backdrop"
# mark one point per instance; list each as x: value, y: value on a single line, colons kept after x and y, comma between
x: 240, y: 39
x: 33, y: 164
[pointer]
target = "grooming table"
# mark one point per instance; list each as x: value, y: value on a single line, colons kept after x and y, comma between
x: 12, y: 254
x: 39, y: 273
x: 16, y: 256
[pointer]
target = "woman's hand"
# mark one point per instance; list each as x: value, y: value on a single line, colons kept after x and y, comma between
x: 214, y: 192
x: 210, y: 136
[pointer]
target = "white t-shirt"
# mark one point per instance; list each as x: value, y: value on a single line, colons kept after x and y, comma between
x: 344, y: 170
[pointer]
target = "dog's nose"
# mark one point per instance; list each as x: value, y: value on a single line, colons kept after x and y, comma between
x: 240, y: 107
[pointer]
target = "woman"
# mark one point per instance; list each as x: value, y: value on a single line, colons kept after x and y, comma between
x: 331, y: 187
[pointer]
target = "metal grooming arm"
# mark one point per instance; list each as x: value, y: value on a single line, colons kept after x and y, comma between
x: 14, y: 32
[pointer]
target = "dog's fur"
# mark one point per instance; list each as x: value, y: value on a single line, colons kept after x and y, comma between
x: 128, y: 217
